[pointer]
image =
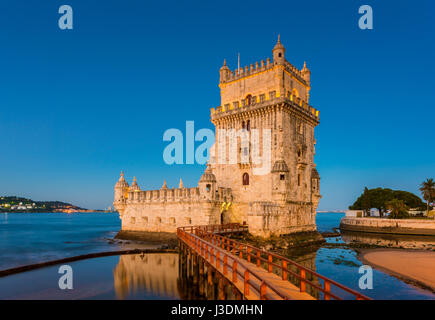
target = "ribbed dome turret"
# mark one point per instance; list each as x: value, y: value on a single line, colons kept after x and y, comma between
x: 224, y: 66
x: 280, y: 166
x: 278, y: 45
x: 224, y: 72
x: 121, y: 182
x: 208, y: 176
x: 315, y: 174
x: 134, y: 185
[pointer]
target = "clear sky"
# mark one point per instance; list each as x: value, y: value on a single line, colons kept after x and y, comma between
x: 78, y: 106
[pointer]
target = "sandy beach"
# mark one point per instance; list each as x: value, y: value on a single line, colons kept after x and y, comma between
x: 413, y: 265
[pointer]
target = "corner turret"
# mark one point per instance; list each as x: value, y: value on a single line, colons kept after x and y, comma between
x: 121, y: 189
x: 207, y: 184
x: 306, y: 73
x: 134, y: 186
x: 224, y: 72
x: 280, y: 180
x: 278, y: 53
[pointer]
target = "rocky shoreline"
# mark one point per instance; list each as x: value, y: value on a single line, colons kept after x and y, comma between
x: 166, y: 239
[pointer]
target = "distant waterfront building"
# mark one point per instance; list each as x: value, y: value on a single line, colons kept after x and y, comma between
x: 268, y: 95
x: 355, y: 213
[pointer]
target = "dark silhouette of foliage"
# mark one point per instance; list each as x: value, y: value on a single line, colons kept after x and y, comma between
x: 398, y: 209
x: 378, y: 198
x: 427, y: 189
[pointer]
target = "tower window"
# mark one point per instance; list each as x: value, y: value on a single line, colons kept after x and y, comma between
x: 299, y: 179
x: 243, y: 124
x: 299, y: 154
x: 281, y: 177
x: 208, y: 187
x: 248, y: 125
x: 248, y: 100
x: 245, y: 179
x: 279, y: 54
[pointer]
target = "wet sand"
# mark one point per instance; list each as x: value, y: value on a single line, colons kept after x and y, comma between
x: 413, y: 266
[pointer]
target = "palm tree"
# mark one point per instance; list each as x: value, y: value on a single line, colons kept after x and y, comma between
x: 427, y: 189
x: 398, y: 209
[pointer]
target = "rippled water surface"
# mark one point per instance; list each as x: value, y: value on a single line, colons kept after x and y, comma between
x: 27, y: 238
x: 31, y: 238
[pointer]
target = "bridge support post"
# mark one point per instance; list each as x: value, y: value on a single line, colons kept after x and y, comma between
x: 195, y: 269
x: 210, y: 283
x: 221, y: 293
x: 201, y: 276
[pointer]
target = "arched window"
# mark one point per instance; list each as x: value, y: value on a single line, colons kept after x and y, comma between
x: 248, y: 100
x: 245, y: 179
x: 248, y: 125
x: 243, y: 124
x: 295, y: 93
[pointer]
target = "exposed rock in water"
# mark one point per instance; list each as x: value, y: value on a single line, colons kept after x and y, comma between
x: 283, y: 242
x: 166, y: 239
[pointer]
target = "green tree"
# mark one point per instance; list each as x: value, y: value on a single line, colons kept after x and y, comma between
x: 378, y: 198
x: 398, y: 209
x: 427, y: 189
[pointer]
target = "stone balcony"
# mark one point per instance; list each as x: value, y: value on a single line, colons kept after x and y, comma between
x: 296, y: 104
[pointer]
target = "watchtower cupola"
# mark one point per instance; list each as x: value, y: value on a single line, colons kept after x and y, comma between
x: 207, y: 184
x: 278, y: 53
x: 134, y: 186
x: 306, y: 73
x: 224, y: 72
x: 121, y: 189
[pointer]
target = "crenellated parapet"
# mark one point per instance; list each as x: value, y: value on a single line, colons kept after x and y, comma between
x: 257, y: 68
x: 181, y: 194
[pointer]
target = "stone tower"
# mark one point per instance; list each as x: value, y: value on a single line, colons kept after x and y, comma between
x: 272, y: 99
x: 261, y: 168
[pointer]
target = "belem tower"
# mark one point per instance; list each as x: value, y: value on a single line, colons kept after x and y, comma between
x: 272, y: 96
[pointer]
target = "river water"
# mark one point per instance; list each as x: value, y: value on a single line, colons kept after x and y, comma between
x: 31, y: 238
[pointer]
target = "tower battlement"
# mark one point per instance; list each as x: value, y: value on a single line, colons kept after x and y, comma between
x: 174, y: 195
x: 255, y: 68
x: 264, y: 82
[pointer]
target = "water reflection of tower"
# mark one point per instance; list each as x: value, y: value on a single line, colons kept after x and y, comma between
x: 151, y: 274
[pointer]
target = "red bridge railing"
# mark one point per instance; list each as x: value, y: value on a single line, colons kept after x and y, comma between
x: 216, y: 249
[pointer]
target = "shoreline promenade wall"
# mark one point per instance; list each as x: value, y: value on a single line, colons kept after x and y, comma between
x: 391, y: 226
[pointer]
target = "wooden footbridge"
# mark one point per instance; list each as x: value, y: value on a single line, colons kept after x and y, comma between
x: 253, y: 274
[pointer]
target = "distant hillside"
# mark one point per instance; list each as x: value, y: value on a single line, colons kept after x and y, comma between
x: 18, y: 204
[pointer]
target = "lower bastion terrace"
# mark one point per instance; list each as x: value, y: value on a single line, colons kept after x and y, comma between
x: 272, y: 98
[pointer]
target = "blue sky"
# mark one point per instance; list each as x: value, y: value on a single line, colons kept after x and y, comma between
x: 79, y: 106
